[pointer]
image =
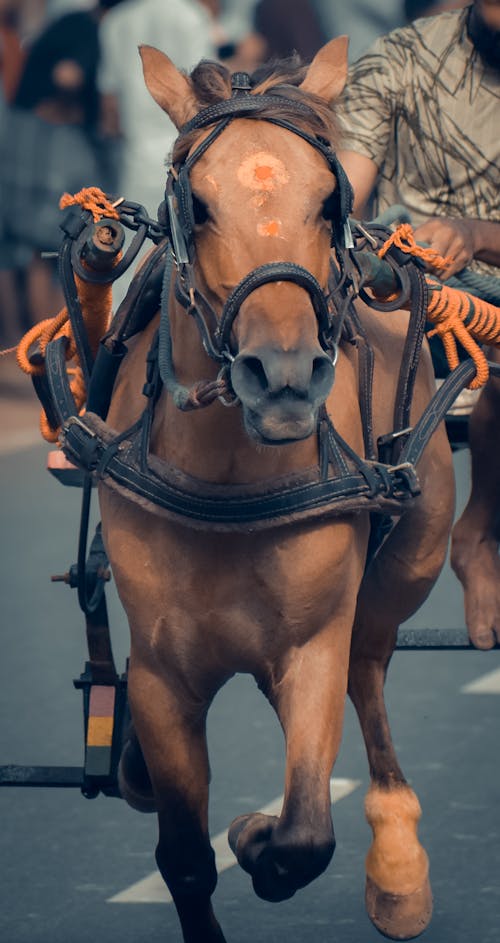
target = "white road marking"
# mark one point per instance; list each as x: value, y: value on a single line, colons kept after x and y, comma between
x: 486, y: 684
x: 152, y: 889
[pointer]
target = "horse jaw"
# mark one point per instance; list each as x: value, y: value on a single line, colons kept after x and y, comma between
x: 327, y: 74
x: 170, y: 89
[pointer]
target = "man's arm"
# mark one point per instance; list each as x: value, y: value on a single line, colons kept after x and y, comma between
x: 367, y: 111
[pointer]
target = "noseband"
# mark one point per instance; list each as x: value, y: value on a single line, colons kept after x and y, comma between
x: 180, y: 223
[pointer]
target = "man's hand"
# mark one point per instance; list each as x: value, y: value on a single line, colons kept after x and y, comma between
x: 450, y: 237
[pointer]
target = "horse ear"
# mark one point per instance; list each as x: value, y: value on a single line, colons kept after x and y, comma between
x: 327, y: 74
x: 171, y: 89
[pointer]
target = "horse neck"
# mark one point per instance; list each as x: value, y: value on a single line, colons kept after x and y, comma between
x: 211, y: 442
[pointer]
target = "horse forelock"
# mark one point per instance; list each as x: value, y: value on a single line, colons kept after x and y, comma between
x: 281, y: 78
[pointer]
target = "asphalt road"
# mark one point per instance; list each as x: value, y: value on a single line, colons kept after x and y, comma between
x: 64, y: 857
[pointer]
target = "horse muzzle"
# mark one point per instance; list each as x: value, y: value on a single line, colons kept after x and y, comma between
x: 281, y: 391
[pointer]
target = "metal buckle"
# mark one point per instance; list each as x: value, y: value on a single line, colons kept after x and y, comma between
x: 406, y: 471
x: 77, y: 421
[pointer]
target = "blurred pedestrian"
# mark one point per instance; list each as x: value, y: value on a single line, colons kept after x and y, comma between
x: 11, y: 62
x: 289, y: 26
x: 11, y: 52
x: 362, y: 20
x: 181, y: 29
x: 49, y: 143
x: 237, y: 43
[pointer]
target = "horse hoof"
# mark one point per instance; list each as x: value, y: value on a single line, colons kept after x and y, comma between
x: 235, y: 830
x: 399, y: 916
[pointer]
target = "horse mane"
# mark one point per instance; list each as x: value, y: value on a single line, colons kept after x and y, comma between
x: 281, y: 77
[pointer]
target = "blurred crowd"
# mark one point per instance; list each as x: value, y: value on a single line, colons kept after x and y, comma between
x: 74, y: 110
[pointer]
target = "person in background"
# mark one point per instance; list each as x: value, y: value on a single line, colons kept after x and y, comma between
x: 238, y: 45
x: 421, y: 114
x: 11, y: 63
x: 288, y: 27
x: 11, y: 51
x: 181, y: 29
x: 49, y: 143
x: 361, y: 20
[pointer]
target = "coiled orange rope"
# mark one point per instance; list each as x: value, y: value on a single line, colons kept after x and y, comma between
x: 93, y: 200
x: 95, y: 301
x: 404, y: 239
x: 457, y: 315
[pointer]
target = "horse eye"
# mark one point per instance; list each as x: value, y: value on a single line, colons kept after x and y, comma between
x: 200, y: 211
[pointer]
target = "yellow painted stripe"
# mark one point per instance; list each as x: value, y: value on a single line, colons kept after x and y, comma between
x: 100, y: 732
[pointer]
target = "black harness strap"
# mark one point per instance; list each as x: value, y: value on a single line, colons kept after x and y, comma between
x: 274, y: 272
x: 141, y: 301
x: 230, y: 508
x: 438, y: 407
x: 244, y: 106
x: 411, y: 356
x: 248, y: 106
x: 57, y: 379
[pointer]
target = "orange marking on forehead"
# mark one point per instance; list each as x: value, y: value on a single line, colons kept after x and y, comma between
x: 269, y: 227
x: 262, y: 171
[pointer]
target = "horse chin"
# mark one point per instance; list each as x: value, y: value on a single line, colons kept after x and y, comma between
x: 272, y: 427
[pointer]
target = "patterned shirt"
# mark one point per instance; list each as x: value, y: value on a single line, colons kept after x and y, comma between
x: 421, y: 104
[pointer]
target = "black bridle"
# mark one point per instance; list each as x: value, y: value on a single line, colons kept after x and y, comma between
x: 180, y: 222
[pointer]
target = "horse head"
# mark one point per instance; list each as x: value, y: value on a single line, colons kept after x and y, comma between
x: 254, y: 204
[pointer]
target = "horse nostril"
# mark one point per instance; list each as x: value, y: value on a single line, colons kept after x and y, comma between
x: 323, y: 372
x: 275, y: 373
x: 248, y: 377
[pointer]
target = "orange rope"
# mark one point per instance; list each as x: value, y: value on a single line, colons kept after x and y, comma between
x: 95, y: 301
x: 93, y: 200
x: 448, y: 308
x: 404, y: 239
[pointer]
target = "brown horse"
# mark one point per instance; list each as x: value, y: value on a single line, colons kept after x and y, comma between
x: 295, y: 606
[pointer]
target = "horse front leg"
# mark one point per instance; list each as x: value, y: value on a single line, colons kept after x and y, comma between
x: 398, y: 895
x: 170, y: 727
x: 398, y: 892
x: 474, y: 549
x: 308, y: 693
